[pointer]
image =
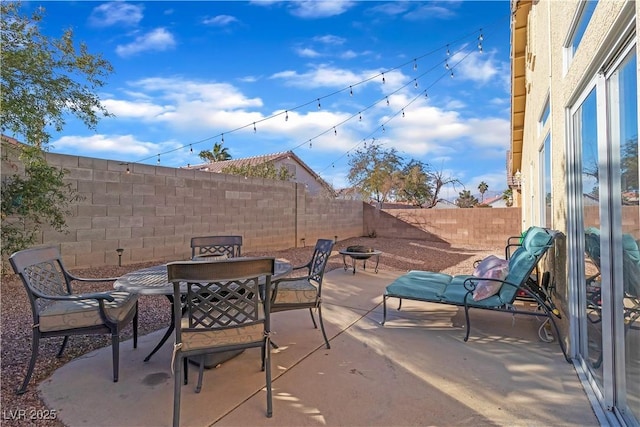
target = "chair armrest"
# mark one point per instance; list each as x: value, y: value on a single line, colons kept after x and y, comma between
x: 87, y: 279
x: 79, y: 297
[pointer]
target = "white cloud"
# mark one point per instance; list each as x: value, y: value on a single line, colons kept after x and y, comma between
x: 330, y: 39
x: 134, y: 109
x: 429, y: 11
x: 311, y: 9
x: 306, y: 52
x: 331, y: 77
x: 125, y: 145
x: 157, y: 40
x: 220, y: 20
x: 114, y: 13
x: 479, y: 67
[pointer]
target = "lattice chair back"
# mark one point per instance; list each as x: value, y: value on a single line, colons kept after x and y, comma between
x: 222, y: 311
x: 58, y: 311
x: 216, y: 246
x: 319, y: 260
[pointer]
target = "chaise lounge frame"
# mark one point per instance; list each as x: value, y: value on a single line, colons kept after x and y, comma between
x: 458, y: 290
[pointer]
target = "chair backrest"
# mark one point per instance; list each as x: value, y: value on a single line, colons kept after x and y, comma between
x: 535, y: 243
x: 216, y: 246
x: 41, y: 271
x: 223, y: 294
x: 592, y: 245
x: 319, y: 260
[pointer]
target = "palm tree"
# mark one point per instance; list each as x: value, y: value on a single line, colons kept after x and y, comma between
x: 483, y: 187
x: 218, y: 154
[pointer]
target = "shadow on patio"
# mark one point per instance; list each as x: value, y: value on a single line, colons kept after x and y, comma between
x: 415, y: 370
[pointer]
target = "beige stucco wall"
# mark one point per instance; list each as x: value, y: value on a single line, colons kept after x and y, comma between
x: 548, y: 74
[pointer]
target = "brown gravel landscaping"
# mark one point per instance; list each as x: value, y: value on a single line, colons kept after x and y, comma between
x: 154, y: 313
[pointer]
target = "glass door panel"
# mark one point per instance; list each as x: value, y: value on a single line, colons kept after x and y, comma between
x: 623, y: 101
x: 585, y: 124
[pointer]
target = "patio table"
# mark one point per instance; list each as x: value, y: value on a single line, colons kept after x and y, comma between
x: 154, y: 281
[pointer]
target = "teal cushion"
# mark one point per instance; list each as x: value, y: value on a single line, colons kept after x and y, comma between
x: 419, y: 284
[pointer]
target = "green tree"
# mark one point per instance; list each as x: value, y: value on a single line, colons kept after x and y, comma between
x: 265, y: 170
x: 376, y: 173
x: 44, y: 80
x: 466, y: 199
x: 507, y: 196
x: 483, y: 187
x: 217, y: 154
x: 416, y: 187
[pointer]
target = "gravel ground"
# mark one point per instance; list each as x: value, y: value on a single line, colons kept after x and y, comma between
x: 154, y: 313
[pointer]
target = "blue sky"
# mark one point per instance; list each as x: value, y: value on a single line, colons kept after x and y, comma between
x: 321, y: 78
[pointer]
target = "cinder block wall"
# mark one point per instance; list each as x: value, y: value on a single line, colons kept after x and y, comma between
x: 455, y: 226
x: 152, y: 212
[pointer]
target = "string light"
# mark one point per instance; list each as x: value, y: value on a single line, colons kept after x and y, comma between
x: 415, y: 83
x: 286, y: 115
x: 128, y: 170
x: 350, y: 91
x: 448, y: 51
x: 360, y: 116
x: 310, y: 145
x: 335, y: 132
x: 387, y: 100
x: 415, y: 64
x: 158, y: 158
x: 254, y: 127
x: 222, y: 138
x: 383, y: 80
x: 446, y: 65
x: 319, y: 104
x: 403, y: 112
x: 191, y: 148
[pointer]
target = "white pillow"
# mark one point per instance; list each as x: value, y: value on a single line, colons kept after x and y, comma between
x: 491, y: 267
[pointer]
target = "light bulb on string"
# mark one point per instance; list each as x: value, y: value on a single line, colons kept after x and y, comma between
x: 480, y: 47
x: 415, y: 65
x: 310, y: 144
x: 415, y: 83
x: 319, y: 106
x: 383, y: 80
x: 158, y: 158
x: 286, y: 116
x: 335, y: 132
x: 451, y: 74
x: 383, y: 129
x: 480, y: 37
x: 403, y: 112
x: 191, y: 148
x: 446, y: 65
x: 222, y: 139
x: 350, y: 91
x: 448, y: 51
x: 128, y: 170
x: 360, y: 116
x: 254, y: 127
x: 387, y: 100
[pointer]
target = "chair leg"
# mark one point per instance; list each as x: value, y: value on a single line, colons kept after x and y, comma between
x: 384, y: 309
x: 177, y: 386
x: 115, y: 350
x: 63, y: 346
x: 313, y: 319
x: 200, y: 374
x: 324, y: 334
x: 185, y: 365
x: 266, y: 362
x: 35, y: 343
x: 135, y: 327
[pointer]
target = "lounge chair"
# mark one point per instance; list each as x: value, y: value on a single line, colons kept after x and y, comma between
x: 458, y: 290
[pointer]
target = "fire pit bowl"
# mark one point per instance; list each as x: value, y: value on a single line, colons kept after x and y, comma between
x: 359, y: 252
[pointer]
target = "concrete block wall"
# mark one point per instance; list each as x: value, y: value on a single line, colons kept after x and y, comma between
x: 453, y: 226
x: 152, y: 212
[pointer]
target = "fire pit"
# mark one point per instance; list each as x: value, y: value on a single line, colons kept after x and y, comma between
x: 359, y: 253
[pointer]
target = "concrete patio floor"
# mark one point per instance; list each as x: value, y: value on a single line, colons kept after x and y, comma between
x: 414, y: 371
